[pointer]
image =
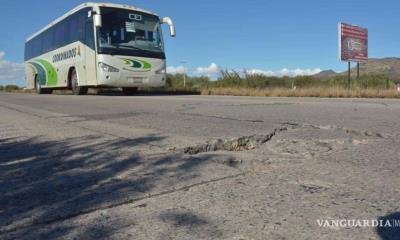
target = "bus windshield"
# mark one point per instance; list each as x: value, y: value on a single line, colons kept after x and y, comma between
x: 124, y: 31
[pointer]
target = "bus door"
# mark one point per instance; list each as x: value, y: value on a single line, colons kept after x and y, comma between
x: 90, y: 53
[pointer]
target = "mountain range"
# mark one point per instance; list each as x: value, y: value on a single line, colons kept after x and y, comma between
x: 386, y: 66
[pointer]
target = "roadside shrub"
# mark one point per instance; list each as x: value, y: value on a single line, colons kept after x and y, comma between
x: 11, y: 87
x: 247, y: 80
x: 307, y: 81
x: 175, y: 81
x: 376, y: 81
x: 1, y: 88
x: 327, y: 92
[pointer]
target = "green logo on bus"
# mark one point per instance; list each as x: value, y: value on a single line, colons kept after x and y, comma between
x: 138, y: 64
x: 47, y: 74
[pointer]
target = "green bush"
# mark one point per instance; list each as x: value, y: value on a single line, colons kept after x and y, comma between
x: 375, y: 81
x: 196, y: 83
x: 10, y: 88
x: 228, y: 79
x: 1, y: 88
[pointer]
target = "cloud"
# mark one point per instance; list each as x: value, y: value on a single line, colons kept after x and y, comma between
x: 261, y: 72
x: 306, y: 72
x: 286, y: 72
x: 176, y: 70
x: 211, y: 70
x: 10, y: 70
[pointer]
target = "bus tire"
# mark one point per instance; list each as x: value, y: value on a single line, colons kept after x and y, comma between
x: 39, y: 89
x: 130, y: 91
x: 76, y: 89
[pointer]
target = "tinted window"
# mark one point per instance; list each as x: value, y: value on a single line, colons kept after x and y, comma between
x: 47, y: 41
x: 82, y: 16
x: 61, y: 33
x: 73, y: 26
x: 89, y: 36
x: 69, y: 30
x: 37, y: 45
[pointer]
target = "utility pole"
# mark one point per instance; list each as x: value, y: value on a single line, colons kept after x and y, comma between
x: 184, y: 73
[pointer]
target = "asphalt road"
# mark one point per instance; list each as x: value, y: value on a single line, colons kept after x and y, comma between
x: 196, y: 167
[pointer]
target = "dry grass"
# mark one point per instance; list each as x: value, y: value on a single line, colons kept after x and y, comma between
x: 328, y: 92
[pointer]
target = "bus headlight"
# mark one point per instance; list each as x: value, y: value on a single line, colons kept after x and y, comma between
x: 107, y: 68
x: 161, y: 71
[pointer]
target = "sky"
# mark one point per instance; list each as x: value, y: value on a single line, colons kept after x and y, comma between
x: 275, y: 37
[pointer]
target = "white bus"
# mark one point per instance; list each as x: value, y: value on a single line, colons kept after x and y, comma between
x: 98, y: 45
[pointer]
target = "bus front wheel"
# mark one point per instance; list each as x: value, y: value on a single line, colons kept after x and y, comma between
x: 76, y: 89
x: 39, y: 89
x: 129, y: 91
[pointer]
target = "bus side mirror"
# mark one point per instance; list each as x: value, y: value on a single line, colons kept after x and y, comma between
x: 97, y: 20
x: 167, y: 20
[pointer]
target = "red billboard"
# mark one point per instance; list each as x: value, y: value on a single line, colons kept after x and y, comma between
x: 353, y: 43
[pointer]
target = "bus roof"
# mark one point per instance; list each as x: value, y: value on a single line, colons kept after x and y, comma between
x: 84, y: 5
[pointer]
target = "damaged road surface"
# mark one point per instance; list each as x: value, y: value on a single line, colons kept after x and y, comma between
x: 235, y: 144
x: 196, y: 167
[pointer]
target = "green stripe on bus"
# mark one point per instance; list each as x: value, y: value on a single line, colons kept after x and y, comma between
x: 41, y: 72
x: 139, y: 64
x: 52, y: 78
x: 146, y: 65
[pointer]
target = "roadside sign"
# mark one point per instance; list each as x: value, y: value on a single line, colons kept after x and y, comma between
x: 353, y: 43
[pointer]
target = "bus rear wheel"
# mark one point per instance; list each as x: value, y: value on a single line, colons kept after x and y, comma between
x: 130, y: 91
x: 39, y: 89
x: 76, y: 89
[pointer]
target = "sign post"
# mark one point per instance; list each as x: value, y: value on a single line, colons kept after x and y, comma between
x: 353, y: 46
x: 349, y: 76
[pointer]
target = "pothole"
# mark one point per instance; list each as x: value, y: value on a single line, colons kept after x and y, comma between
x: 290, y: 146
x: 235, y: 144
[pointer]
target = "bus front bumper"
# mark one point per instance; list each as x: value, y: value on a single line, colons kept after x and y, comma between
x: 127, y: 79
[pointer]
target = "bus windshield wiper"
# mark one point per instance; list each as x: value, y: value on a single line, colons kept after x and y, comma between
x: 120, y: 49
x: 131, y: 47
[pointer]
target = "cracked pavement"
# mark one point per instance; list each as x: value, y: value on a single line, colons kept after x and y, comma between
x: 196, y: 167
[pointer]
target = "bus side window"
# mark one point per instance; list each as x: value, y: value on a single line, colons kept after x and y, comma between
x: 81, y: 26
x: 73, y: 26
x: 89, y: 33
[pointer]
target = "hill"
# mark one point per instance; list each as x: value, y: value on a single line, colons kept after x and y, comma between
x: 326, y: 74
x: 386, y: 66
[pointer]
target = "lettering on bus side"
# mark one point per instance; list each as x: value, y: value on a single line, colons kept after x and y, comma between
x: 64, y: 55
